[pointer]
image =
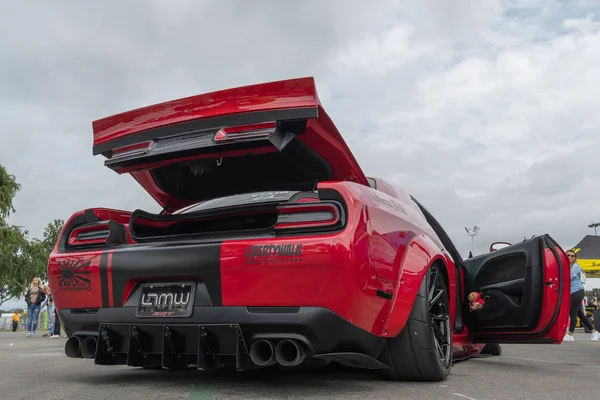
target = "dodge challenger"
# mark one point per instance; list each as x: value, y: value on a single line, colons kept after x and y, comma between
x: 274, y: 249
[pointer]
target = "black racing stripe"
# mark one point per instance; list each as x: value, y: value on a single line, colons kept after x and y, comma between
x: 104, y: 278
x: 199, y: 262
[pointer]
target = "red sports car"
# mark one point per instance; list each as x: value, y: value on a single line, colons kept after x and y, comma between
x: 274, y: 248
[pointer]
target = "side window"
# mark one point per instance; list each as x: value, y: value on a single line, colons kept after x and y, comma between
x: 372, y: 183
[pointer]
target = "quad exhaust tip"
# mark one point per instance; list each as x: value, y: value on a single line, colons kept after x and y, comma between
x: 262, y: 353
x: 288, y: 353
x: 78, y: 347
x: 88, y: 347
x: 73, y: 347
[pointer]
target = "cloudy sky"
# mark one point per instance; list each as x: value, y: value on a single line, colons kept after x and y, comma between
x: 487, y: 111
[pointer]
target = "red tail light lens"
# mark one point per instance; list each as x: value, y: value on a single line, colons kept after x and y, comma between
x: 90, y: 234
x: 245, y: 132
x: 306, y: 200
x: 309, y: 216
x: 132, y: 150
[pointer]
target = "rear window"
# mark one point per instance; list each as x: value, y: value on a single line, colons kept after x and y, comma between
x: 243, y: 199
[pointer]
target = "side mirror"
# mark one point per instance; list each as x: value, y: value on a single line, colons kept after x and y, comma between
x: 498, y: 245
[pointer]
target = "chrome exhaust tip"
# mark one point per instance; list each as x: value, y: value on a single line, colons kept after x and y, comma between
x: 288, y: 353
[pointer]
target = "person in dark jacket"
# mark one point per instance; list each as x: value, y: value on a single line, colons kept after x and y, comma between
x: 34, y: 297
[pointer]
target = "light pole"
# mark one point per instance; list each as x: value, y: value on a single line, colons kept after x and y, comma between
x: 594, y: 225
x: 472, y: 233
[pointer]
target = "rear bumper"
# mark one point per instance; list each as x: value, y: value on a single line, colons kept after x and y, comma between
x: 218, y: 336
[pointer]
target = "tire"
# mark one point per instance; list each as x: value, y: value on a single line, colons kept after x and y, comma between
x: 422, y: 351
x: 493, y: 349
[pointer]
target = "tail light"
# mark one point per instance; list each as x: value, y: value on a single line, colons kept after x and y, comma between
x: 245, y: 132
x: 137, y: 149
x: 89, y: 234
x: 94, y: 228
x: 212, y: 143
x: 310, y: 216
x: 96, y: 235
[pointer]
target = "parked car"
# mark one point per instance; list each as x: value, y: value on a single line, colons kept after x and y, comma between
x: 274, y: 248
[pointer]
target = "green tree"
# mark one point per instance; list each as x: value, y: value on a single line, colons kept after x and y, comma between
x: 15, y: 261
x: 5, y: 294
x: 8, y: 189
x: 30, y: 259
x: 12, y: 238
x: 21, y: 258
x: 51, y: 234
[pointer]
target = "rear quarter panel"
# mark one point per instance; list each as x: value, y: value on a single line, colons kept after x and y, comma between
x: 331, y: 271
x: 400, y: 248
x: 342, y: 272
x: 75, y: 277
x: 75, y: 281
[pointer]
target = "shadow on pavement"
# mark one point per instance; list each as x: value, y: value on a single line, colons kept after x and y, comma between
x: 317, y: 379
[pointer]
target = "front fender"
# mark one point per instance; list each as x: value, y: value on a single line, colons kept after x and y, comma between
x: 421, y: 253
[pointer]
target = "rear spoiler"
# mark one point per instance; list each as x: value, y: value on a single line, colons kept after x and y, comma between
x: 215, y: 135
x: 294, y: 99
x: 182, y: 144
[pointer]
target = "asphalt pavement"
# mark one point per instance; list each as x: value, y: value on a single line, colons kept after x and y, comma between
x: 36, y: 368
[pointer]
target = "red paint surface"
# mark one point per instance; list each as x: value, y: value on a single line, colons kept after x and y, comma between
x: 560, y: 326
x: 419, y: 256
x: 293, y: 93
x: 64, y: 298
x: 463, y: 346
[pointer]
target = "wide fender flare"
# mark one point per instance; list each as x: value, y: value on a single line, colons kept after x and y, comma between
x: 420, y: 255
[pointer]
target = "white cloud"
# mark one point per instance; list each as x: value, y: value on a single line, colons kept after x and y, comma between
x: 485, y: 110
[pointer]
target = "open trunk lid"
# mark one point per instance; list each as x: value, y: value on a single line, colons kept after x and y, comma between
x: 270, y: 136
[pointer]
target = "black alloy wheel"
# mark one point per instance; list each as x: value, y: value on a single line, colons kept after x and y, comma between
x: 439, y: 317
x: 422, y: 351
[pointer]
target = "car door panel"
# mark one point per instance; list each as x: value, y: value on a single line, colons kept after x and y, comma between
x: 525, y: 287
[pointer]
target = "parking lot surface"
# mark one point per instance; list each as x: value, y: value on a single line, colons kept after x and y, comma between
x: 35, y: 368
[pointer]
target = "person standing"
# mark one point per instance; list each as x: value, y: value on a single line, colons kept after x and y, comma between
x: 49, y: 312
x: 577, y: 295
x: 16, y: 318
x: 56, y: 333
x: 35, y: 295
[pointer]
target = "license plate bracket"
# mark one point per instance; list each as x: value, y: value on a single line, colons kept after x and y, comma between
x: 166, y: 300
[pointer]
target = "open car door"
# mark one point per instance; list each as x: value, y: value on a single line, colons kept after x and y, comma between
x: 526, y: 287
